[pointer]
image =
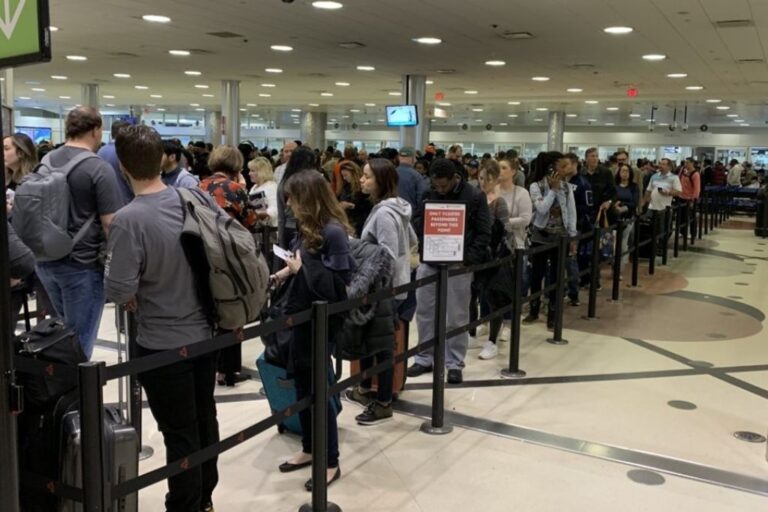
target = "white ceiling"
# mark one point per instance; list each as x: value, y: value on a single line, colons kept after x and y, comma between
x: 569, y: 46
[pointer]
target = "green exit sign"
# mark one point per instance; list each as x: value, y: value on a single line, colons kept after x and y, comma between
x: 24, y: 32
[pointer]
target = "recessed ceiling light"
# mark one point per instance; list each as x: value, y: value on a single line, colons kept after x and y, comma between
x: 121, y: 75
x: 202, y: 86
x: 273, y: 70
x: 155, y: 18
x: 470, y: 92
x: 634, y: 115
x: 333, y: 120
x: 65, y: 97
x: 654, y: 57
x: 108, y: 97
x: 694, y: 88
x: 503, y: 124
x: 24, y: 98
x: 38, y: 89
x: 156, y: 96
x: 366, y: 68
x: 326, y: 94
x: 663, y: 124
x: 141, y: 87
x: 395, y: 93
x: 571, y: 115
x: 58, y: 77
x: 744, y: 125
x: 200, y: 109
x: 53, y: 29
x: 444, y: 104
x: 79, y: 58
x: 732, y: 115
x: 495, y: 63
x: 512, y: 115
x: 538, y: 119
x: 194, y: 104
x: 575, y: 89
x: 513, y: 103
x: 591, y: 102
x: 592, y: 120
x: 430, y: 82
x: 649, y: 120
x: 323, y: 4
x: 112, y: 105
x: 161, y: 110
x: 314, y: 104
x: 714, y: 100
x: 243, y: 110
x: 251, y: 105
x: 355, y: 110
x: 281, y: 48
x: 370, y: 104
x: 677, y: 75
x: 618, y: 30
x: 180, y: 53
x: 541, y: 109
x: 540, y: 78
x: 150, y: 104
x: 294, y: 115
x: 380, y: 120
x: 345, y: 117
x: 263, y: 95
x: 477, y: 110
x: 343, y: 84
x: 609, y: 124
x: 193, y: 73
x: 268, y: 85
x: 428, y: 40
x: 723, y: 107
x: 612, y: 109
x: 738, y: 120
x: 209, y: 95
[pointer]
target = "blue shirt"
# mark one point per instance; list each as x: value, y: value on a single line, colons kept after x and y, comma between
x: 544, y: 198
x: 411, y: 185
x: 109, y: 154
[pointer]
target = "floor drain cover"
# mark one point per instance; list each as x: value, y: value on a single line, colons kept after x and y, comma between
x: 742, y: 284
x: 645, y: 477
x: 701, y: 364
x: 682, y: 404
x: 750, y: 437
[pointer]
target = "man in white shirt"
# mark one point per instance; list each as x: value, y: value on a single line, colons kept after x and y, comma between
x: 662, y: 187
x: 288, y: 150
x: 734, y: 173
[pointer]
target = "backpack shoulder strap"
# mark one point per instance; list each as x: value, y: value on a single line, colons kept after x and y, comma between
x: 74, y: 162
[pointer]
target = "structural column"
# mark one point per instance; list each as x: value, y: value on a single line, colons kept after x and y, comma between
x: 230, y: 111
x: 415, y: 93
x: 89, y: 94
x: 313, y: 125
x: 213, y: 127
x: 6, y: 87
x: 555, y: 131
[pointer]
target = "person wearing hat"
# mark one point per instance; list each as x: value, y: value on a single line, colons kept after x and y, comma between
x: 449, y: 185
x: 411, y: 186
x: 473, y: 169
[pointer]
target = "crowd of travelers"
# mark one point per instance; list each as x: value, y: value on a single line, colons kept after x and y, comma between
x: 126, y: 220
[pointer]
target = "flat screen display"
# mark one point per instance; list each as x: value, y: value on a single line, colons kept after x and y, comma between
x: 402, y: 115
x: 36, y: 134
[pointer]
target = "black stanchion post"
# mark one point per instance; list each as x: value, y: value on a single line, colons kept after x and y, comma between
x: 704, y: 213
x: 95, y: 489
x: 562, y: 255
x: 437, y: 426
x: 691, y: 223
x: 319, y: 410
x: 514, y: 371
x: 617, y: 255
x: 701, y: 223
x: 594, y: 273
x: 676, y: 244
x: 134, y: 388
x: 654, y: 242
x: 667, y: 227
x: 636, y: 254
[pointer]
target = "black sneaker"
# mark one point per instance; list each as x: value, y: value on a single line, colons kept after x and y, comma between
x: 358, y: 397
x: 417, y: 369
x: 206, y: 507
x: 374, y: 414
x: 530, y: 319
x: 574, y: 301
x: 455, y: 376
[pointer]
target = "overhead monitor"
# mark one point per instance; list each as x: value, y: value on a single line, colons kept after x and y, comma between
x: 402, y: 115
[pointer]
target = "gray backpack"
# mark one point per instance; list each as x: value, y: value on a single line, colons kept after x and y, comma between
x: 232, y: 275
x: 41, y: 210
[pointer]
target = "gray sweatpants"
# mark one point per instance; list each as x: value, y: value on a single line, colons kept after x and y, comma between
x: 459, y: 293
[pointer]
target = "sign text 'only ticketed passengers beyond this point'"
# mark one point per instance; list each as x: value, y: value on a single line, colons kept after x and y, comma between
x: 444, y: 227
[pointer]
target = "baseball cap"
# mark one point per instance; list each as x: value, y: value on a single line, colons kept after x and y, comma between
x: 407, y: 151
x: 474, y: 164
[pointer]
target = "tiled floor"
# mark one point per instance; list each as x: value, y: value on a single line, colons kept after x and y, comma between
x: 536, y: 467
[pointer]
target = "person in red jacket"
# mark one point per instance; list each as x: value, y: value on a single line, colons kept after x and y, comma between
x: 690, y: 179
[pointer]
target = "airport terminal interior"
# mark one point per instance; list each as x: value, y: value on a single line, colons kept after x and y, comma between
x: 640, y: 410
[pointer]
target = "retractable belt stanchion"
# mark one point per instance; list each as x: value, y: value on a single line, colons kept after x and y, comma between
x: 514, y: 371
x: 437, y: 426
x: 562, y: 255
x: 704, y: 213
x: 636, y: 254
x: 95, y: 492
x: 691, y: 223
x: 667, y: 226
x: 701, y: 223
x: 617, y: 255
x: 676, y: 244
x: 319, y: 410
x: 594, y: 273
x: 134, y: 388
x: 654, y: 241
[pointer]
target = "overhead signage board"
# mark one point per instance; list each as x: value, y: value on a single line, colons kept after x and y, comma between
x: 25, y: 35
x: 444, y: 228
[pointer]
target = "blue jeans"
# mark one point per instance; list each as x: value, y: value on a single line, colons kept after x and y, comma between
x: 77, y: 294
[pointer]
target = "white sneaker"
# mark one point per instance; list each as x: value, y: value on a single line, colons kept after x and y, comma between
x: 482, y: 331
x: 474, y: 343
x: 490, y: 350
x: 505, y: 334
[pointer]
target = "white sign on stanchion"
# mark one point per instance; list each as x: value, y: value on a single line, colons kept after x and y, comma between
x: 444, y: 228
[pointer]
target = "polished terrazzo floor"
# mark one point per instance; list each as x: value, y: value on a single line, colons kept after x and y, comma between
x: 591, y: 428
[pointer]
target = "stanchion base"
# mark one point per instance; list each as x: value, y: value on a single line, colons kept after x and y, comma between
x: 146, y: 452
x: 591, y: 319
x: 331, y: 507
x: 553, y: 341
x: 427, y: 428
x: 509, y: 374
